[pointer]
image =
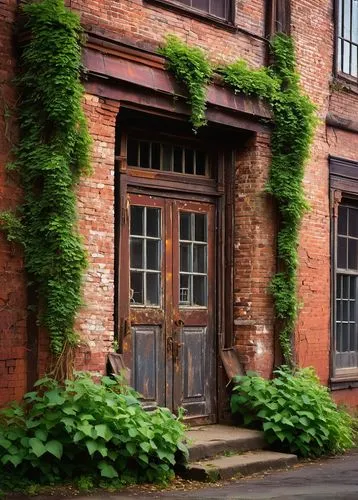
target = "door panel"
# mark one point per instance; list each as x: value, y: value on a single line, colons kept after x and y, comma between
x: 194, y: 306
x: 169, y: 340
x: 144, y: 343
x: 148, y: 363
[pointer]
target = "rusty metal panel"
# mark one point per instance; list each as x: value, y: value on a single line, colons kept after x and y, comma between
x: 231, y: 362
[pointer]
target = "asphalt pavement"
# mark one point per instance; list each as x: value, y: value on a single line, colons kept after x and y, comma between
x: 332, y: 478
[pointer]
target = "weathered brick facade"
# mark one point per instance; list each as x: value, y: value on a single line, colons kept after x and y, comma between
x: 141, y: 25
x: 12, y: 279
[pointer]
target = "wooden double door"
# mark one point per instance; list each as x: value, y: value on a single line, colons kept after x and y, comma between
x: 168, y: 276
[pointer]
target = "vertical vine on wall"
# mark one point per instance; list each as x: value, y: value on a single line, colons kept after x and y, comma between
x: 52, y: 153
x: 294, y: 120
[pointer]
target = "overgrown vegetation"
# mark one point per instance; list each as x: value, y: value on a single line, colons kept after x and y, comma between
x: 52, y: 153
x: 190, y: 66
x: 87, y: 430
x: 295, y: 412
x: 294, y: 119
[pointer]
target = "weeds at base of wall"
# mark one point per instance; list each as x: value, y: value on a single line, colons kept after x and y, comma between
x: 295, y: 412
x: 82, y: 429
x: 294, y: 122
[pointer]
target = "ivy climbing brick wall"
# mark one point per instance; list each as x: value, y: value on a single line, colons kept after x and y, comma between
x: 12, y: 279
x: 142, y: 23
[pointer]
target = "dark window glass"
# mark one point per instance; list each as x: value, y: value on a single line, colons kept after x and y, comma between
x: 144, y: 154
x: 353, y: 222
x: 217, y: 8
x: 342, y: 220
x: 200, y: 164
x: 132, y: 152
x: 156, y: 155
x: 153, y: 222
x: 166, y: 157
x: 193, y: 259
x: 346, y: 314
x: 178, y: 160
x: 137, y: 220
x: 189, y: 161
x: 342, y: 253
x: 145, y: 256
x: 347, y: 37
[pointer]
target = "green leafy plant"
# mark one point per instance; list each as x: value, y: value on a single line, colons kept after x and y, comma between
x: 52, y: 153
x: 190, y: 66
x: 294, y: 121
x: 82, y: 429
x: 296, y: 413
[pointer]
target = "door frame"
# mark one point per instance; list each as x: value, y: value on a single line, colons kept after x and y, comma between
x: 219, y: 189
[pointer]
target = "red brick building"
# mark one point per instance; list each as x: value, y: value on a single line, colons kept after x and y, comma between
x: 179, y: 230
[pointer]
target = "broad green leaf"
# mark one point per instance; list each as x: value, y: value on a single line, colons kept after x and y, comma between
x: 91, y: 446
x: 5, y: 443
x: 107, y: 470
x: 37, y: 447
x: 145, y: 447
x: 143, y: 457
x: 55, y: 448
x: 41, y: 434
x: 14, y: 459
x: 86, y: 428
x: 54, y: 397
x: 104, y: 431
x: 131, y: 448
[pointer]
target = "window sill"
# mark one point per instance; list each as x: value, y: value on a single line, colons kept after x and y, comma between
x: 344, y: 381
x: 187, y: 11
x: 341, y: 80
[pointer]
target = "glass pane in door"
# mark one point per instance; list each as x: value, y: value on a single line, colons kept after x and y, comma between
x: 193, y: 254
x: 145, y: 256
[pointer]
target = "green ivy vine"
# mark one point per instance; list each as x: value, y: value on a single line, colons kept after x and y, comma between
x: 52, y: 153
x: 294, y: 121
x: 191, y: 67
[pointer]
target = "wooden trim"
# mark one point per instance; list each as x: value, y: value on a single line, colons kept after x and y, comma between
x: 279, y: 17
x: 152, y: 102
x: 229, y: 227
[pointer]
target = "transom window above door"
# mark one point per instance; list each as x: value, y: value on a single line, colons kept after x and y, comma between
x: 166, y: 157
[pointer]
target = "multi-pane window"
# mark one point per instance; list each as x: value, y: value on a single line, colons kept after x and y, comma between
x: 193, y: 245
x: 145, y: 255
x: 217, y: 8
x: 346, y: 310
x: 347, y: 37
x: 166, y: 157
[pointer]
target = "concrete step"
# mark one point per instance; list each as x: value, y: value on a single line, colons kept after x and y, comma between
x: 226, y: 467
x: 210, y: 440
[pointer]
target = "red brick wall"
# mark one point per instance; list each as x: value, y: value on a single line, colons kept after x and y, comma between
x: 12, y: 283
x: 254, y: 257
x: 96, y: 214
x: 141, y: 22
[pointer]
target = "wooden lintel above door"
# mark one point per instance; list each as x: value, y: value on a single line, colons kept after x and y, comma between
x: 129, y: 74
